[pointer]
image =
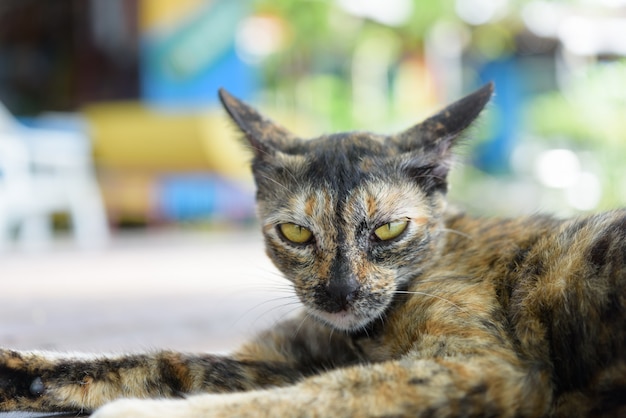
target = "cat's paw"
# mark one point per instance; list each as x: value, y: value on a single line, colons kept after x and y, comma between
x: 20, y: 384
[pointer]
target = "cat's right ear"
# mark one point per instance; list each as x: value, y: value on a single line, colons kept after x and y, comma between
x: 264, y: 136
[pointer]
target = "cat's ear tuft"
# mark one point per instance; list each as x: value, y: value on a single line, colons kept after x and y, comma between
x: 439, y: 132
x: 264, y: 136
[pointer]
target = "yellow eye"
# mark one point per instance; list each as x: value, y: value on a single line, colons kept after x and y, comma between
x: 295, y: 233
x: 390, y: 230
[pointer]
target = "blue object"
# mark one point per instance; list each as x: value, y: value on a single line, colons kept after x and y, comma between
x: 203, y: 197
x: 187, y: 64
x: 493, y: 156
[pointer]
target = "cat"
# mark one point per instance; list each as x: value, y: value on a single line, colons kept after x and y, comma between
x: 410, y: 308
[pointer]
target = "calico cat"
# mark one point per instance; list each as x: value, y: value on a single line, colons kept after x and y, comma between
x: 410, y: 309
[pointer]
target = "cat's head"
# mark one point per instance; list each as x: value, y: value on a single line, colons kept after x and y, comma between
x: 350, y: 218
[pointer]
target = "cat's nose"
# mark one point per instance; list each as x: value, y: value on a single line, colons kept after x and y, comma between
x: 341, y: 292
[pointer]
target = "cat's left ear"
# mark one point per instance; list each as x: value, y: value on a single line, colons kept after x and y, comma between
x: 427, y: 145
x: 264, y: 136
x: 439, y: 131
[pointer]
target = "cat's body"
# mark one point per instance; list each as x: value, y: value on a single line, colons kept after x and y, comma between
x: 409, y: 310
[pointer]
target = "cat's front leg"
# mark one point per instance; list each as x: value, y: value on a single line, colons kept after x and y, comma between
x: 442, y: 387
x: 283, y: 355
x: 45, y: 381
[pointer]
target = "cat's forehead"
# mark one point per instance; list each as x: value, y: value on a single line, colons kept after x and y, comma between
x: 345, y: 161
x: 352, y: 145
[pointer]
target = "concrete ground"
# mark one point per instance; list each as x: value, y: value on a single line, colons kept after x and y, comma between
x: 181, y: 290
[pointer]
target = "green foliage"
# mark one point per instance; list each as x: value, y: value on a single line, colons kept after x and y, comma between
x: 590, y: 110
x: 321, y: 40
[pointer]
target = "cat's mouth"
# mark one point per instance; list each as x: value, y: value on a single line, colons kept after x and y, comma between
x: 343, y: 320
x: 352, y: 318
x: 347, y: 308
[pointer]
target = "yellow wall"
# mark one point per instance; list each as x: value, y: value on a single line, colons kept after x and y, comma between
x: 158, y: 13
x: 132, y: 136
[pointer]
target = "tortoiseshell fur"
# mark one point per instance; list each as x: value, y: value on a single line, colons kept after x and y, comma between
x: 457, y: 316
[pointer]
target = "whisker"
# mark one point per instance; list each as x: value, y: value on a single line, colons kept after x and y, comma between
x: 291, y: 174
x: 432, y: 296
x: 286, y: 314
x: 366, y: 332
x: 451, y: 275
x: 276, y: 182
x: 294, y: 299
x: 382, y: 318
x: 304, y: 318
x: 275, y: 287
x: 279, y: 318
x: 454, y: 231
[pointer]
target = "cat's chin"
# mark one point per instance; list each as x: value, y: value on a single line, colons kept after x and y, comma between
x: 343, y: 320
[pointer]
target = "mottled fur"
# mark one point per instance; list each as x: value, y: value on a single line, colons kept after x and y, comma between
x: 456, y: 316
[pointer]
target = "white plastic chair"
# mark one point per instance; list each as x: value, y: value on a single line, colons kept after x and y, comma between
x: 44, y: 172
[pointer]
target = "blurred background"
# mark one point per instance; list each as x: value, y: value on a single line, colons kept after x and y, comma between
x: 138, y: 80
x: 111, y: 137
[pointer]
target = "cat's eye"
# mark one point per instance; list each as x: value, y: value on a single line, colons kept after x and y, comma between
x: 390, y: 230
x: 295, y: 233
